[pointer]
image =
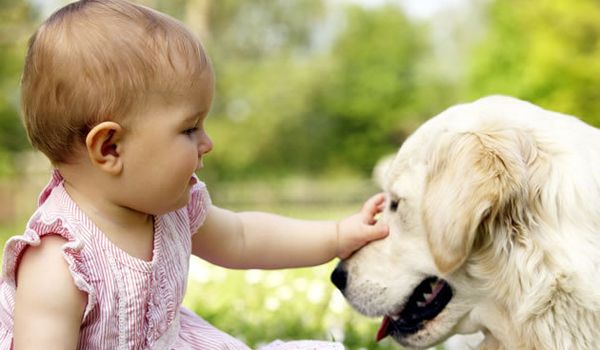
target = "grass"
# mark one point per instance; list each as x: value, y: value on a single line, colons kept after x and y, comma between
x: 261, y: 306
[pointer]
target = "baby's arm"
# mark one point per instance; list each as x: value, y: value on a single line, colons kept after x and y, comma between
x: 48, y: 305
x: 268, y: 241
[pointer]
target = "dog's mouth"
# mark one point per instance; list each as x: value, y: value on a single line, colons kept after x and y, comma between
x: 428, y: 299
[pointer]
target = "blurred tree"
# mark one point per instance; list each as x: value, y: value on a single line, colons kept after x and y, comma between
x: 260, y: 29
x: 263, y: 55
x: 370, y: 90
x: 17, y: 20
x: 286, y: 104
x: 544, y: 51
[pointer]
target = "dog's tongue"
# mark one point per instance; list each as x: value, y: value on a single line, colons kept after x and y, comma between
x: 383, y: 329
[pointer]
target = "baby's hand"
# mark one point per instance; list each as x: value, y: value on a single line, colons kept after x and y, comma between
x: 361, y: 228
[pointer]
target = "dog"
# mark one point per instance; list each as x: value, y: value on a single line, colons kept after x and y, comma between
x: 494, y: 215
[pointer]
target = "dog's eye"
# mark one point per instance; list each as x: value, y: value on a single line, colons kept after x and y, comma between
x: 394, y: 204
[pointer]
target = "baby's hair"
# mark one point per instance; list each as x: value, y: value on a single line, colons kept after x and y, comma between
x: 95, y: 60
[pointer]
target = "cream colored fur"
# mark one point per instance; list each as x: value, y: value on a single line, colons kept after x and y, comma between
x: 501, y: 199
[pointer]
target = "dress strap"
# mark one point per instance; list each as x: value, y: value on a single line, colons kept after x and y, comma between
x: 55, y: 180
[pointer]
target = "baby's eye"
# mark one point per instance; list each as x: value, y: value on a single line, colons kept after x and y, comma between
x: 190, y: 131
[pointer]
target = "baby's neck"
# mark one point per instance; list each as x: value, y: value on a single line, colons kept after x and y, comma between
x: 130, y: 230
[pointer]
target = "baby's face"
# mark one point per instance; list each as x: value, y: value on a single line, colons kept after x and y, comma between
x: 163, y: 147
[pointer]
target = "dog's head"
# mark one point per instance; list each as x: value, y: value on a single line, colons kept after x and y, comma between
x: 459, y: 191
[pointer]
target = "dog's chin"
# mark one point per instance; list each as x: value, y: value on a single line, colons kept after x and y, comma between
x: 426, y: 302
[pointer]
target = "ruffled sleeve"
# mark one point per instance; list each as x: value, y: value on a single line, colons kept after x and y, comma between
x: 198, y: 205
x: 72, y: 252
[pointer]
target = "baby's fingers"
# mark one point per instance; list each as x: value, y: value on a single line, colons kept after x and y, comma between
x: 367, y: 233
x: 372, y: 207
x: 377, y: 231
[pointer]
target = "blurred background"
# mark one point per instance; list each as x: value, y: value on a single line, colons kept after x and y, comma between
x: 310, y: 95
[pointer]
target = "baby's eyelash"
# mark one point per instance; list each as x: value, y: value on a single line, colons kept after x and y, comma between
x: 191, y: 130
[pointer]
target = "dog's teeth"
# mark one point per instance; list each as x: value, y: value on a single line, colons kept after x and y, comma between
x: 421, y: 303
x: 395, y: 318
x: 426, y: 296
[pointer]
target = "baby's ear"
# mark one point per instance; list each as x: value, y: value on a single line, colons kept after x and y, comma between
x: 103, y: 147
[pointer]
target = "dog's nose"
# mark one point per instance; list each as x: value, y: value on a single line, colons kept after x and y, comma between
x: 339, y: 277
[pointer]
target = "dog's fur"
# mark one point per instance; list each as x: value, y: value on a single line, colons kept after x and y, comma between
x: 501, y: 199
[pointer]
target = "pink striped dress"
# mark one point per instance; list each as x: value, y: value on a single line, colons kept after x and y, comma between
x: 131, y: 303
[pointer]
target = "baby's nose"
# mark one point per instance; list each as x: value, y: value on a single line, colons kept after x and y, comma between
x: 205, y: 145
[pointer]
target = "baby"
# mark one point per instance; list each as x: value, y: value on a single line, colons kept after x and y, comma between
x: 116, y: 96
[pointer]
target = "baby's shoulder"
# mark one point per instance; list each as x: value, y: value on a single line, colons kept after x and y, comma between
x: 47, y: 289
x: 44, y: 262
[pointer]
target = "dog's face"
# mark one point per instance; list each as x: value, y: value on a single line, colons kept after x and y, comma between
x: 454, y: 188
x: 397, y: 278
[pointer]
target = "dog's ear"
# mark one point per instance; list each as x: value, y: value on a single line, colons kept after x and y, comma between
x: 473, y: 177
x: 381, y: 169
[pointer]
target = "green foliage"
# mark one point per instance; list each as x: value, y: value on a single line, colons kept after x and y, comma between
x: 310, y: 110
x: 6, y: 166
x: 257, y: 30
x: 16, y: 23
x: 544, y: 51
x: 264, y: 78
x: 371, y: 86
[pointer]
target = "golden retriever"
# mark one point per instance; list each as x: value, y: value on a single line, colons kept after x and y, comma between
x: 494, y: 215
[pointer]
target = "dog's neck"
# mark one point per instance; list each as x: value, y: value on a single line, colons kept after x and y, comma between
x: 537, y: 303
